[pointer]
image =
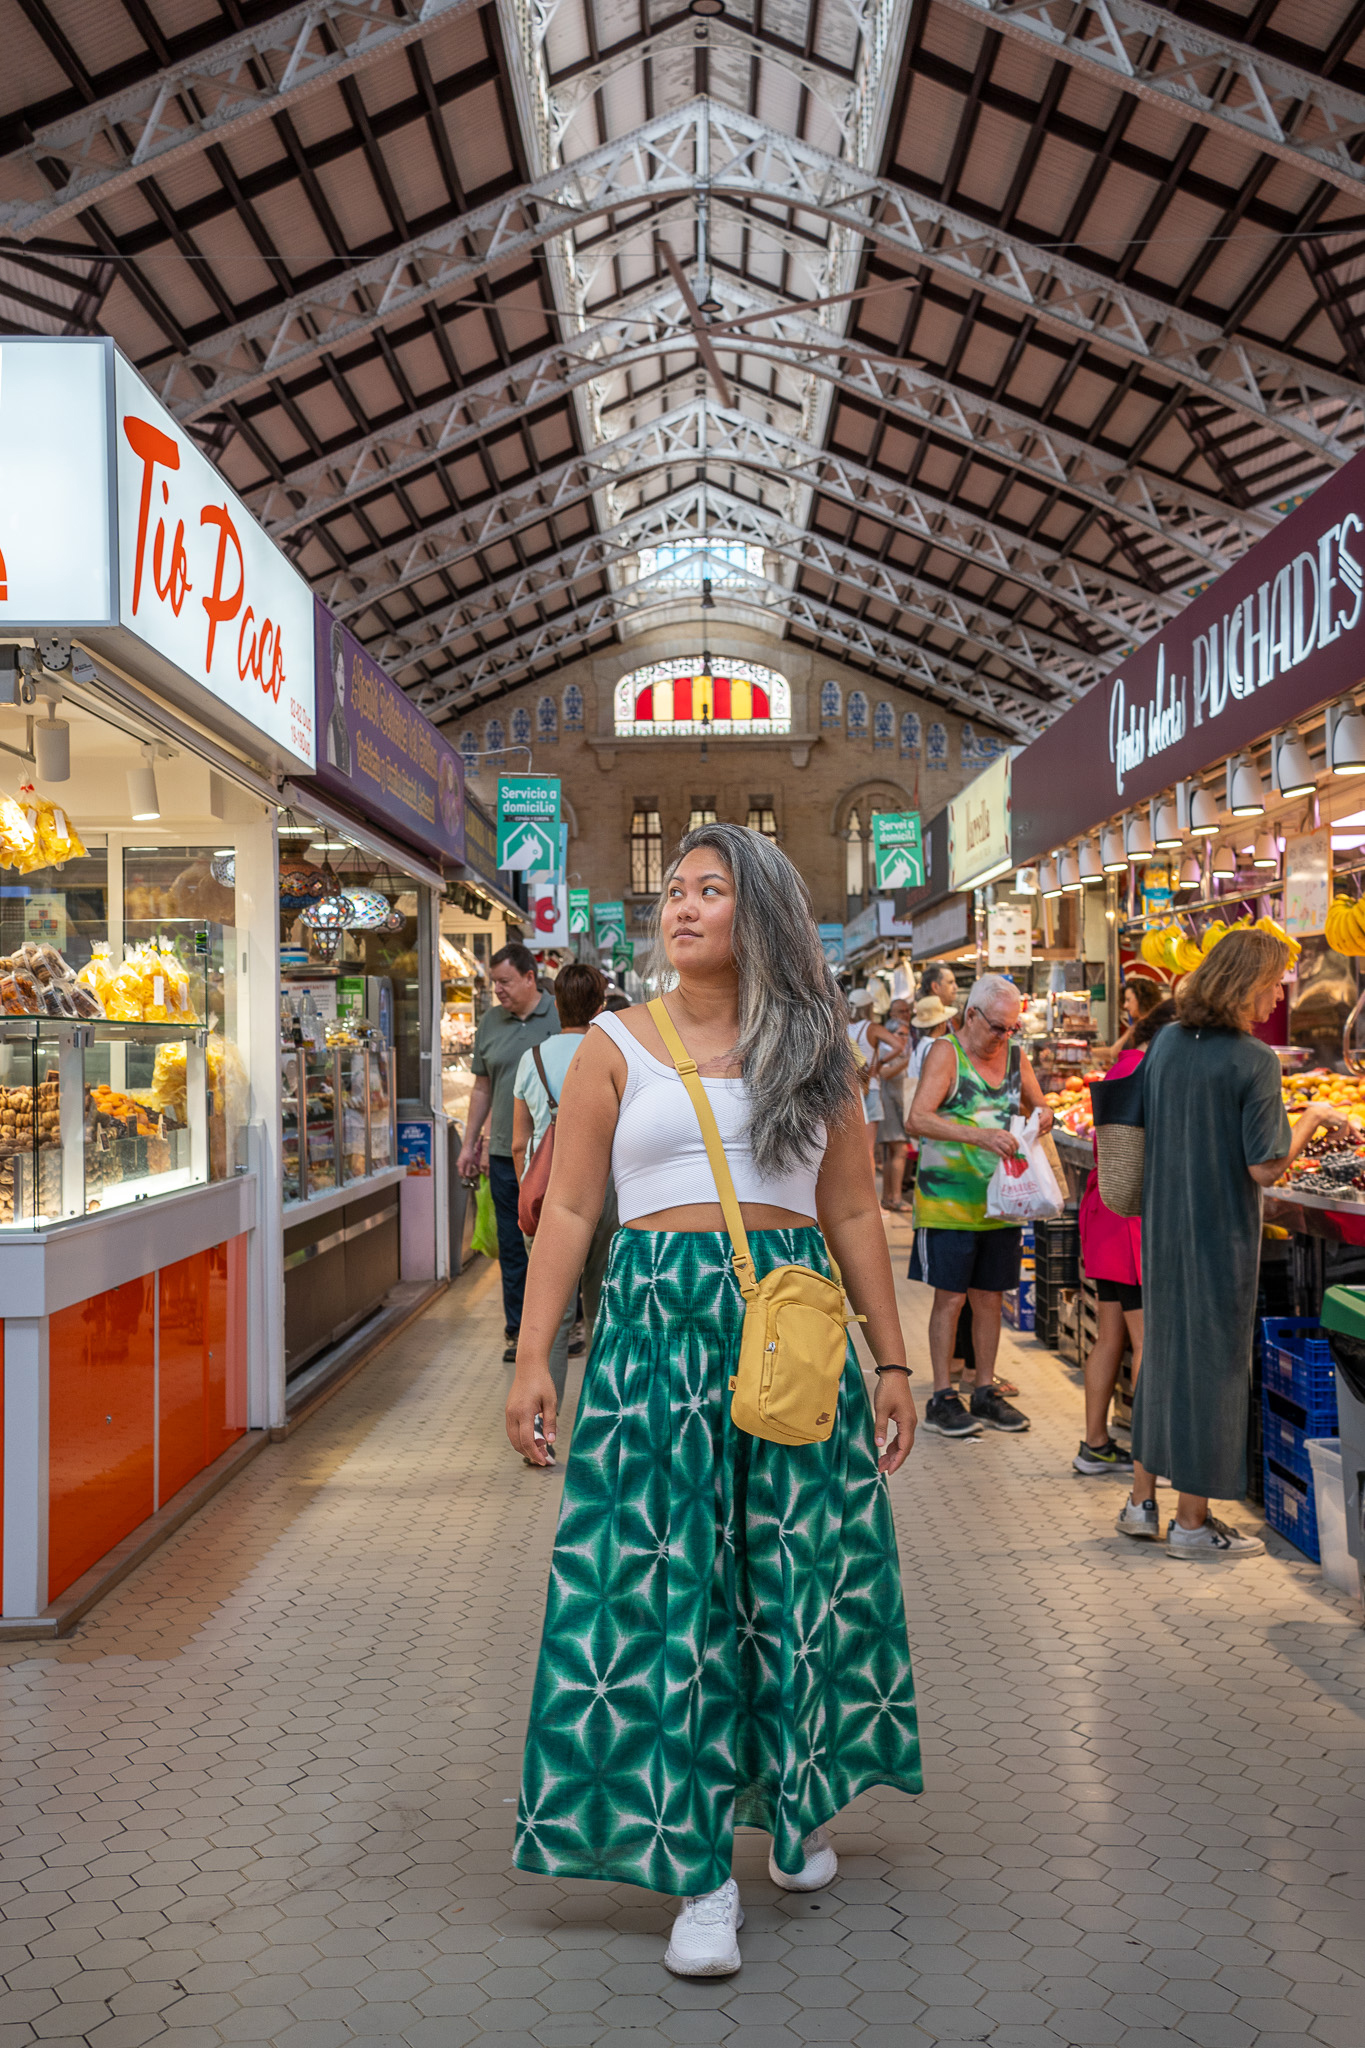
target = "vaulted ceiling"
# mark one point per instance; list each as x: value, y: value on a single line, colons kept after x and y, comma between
x: 963, y: 340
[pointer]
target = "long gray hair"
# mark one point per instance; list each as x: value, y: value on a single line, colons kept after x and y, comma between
x: 793, y: 1046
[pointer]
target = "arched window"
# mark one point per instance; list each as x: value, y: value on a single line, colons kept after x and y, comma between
x: 494, y: 740
x: 734, y: 699
x: 884, y: 726
x: 854, y: 864
x: 857, y: 714
x: 521, y: 726
x: 469, y: 748
x: 646, y: 852
x: 910, y: 736
x: 831, y: 705
x: 547, y: 721
x: 936, y: 745
x: 573, y: 709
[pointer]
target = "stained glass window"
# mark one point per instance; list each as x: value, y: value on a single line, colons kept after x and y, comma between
x: 573, y: 709
x: 857, y: 714
x: 494, y: 738
x: 521, y: 726
x: 936, y: 745
x: 884, y: 725
x: 469, y: 747
x: 910, y: 735
x: 831, y: 704
x: 734, y: 698
x: 547, y: 720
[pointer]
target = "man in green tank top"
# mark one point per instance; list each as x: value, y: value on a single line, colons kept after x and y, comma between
x: 971, y: 1084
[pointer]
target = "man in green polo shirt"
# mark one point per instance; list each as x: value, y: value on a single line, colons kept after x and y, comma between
x: 521, y: 1017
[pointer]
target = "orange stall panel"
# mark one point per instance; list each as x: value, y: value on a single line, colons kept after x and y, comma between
x: 227, y: 1346
x: 101, y: 1370
x: 183, y: 1291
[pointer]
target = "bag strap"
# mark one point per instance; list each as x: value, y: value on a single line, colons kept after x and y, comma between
x: 545, y: 1082
x: 1014, y: 1078
x: 686, y: 1066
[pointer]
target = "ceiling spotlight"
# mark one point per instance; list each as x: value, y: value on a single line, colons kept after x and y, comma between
x: 1266, y: 853
x: 1291, y: 771
x: 1225, y: 864
x: 706, y: 10
x: 1113, y: 857
x: 1069, y: 869
x: 143, y: 800
x: 709, y: 303
x: 1191, y: 874
x: 1246, y: 791
x: 1138, y: 839
x: 1165, y: 827
x: 52, y: 749
x: 1049, y: 881
x: 1091, y: 867
x: 1203, y: 814
x: 1345, y: 740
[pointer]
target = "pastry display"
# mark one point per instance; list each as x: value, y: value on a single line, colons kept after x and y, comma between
x: 36, y: 833
x: 36, y: 981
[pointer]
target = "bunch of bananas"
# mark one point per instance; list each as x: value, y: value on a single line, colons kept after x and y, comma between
x: 1346, y: 925
x: 1169, y: 949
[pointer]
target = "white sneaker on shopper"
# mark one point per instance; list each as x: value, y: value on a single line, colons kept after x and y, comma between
x: 1212, y: 1539
x: 821, y: 1866
x: 1140, y: 1520
x: 705, y: 1937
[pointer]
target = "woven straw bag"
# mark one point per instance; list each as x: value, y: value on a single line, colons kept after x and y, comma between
x: 1121, y: 1140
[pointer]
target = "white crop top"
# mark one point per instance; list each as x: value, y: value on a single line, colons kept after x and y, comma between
x: 658, y: 1160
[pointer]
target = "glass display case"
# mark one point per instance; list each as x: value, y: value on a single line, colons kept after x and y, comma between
x: 95, y: 1115
x: 338, y: 1128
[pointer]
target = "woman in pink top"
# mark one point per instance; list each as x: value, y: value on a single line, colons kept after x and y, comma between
x: 1111, y: 1253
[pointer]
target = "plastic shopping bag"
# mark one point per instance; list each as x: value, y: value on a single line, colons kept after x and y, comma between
x: 485, y: 1238
x: 1024, y: 1189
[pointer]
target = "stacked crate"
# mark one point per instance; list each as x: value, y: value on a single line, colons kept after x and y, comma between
x: 1057, y: 1264
x: 1019, y: 1303
x: 1298, y: 1401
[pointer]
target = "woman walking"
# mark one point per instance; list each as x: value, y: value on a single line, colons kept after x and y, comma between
x: 1111, y: 1253
x: 1216, y: 1134
x: 724, y: 1639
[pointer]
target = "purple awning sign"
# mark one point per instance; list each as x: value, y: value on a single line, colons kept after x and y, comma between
x: 378, y: 752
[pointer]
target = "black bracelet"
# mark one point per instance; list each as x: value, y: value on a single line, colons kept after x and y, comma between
x: 894, y: 1368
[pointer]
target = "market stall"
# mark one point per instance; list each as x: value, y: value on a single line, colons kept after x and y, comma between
x: 156, y: 677
x: 363, y: 1152
x: 1217, y: 780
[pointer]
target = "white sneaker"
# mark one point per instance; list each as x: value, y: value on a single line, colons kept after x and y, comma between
x: 1212, y: 1539
x: 704, y: 1941
x: 821, y: 1867
x: 1140, y: 1520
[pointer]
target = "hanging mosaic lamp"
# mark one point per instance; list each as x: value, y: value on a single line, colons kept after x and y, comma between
x: 300, y: 885
x: 370, y: 910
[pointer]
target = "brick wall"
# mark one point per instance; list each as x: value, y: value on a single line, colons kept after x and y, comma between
x: 811, y: 779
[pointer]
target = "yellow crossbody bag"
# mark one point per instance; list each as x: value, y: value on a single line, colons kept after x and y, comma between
x: 795, y: 1340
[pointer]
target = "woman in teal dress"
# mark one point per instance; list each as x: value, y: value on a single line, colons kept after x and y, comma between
x: 724, y: 1639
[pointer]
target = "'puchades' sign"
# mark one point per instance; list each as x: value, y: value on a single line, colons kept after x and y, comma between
x: 1278, y: 634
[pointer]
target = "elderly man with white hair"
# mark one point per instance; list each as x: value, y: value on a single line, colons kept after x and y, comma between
x: 972, y: 1082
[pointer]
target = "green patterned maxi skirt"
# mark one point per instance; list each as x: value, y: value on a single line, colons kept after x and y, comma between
x: 724, y: 1637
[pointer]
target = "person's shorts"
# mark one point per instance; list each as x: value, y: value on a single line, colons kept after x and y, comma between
x: 891, y: 1130
x: 958, y: 1260
x: 1127, y: 1293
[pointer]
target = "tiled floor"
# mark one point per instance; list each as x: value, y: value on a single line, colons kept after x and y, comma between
x: 265, y: 1793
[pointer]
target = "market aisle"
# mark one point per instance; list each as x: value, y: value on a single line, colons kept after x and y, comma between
x: 264, y: 1795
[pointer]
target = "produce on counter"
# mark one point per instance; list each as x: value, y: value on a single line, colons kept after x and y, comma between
x: 1070, y: 1105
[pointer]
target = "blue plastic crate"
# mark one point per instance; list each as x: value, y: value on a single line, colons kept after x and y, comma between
x: 1284, y: 1433
x: 1296, y: 1364
x: 1290, y: 1508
